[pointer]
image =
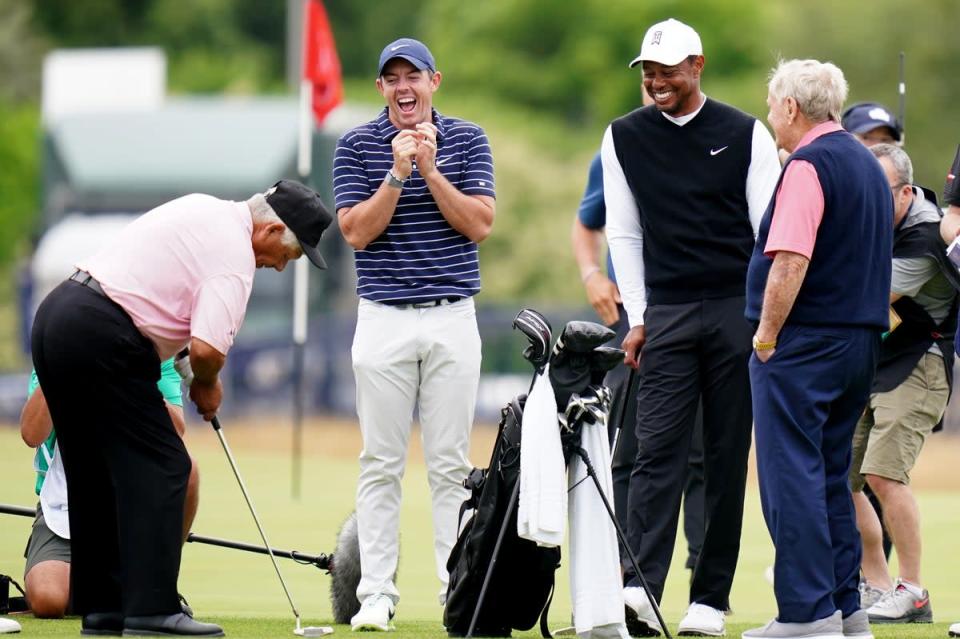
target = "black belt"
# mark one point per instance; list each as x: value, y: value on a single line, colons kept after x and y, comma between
x: 85, y: 279
x: 443, y: 301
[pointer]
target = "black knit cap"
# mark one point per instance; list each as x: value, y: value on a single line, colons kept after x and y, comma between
x: 303, y: 212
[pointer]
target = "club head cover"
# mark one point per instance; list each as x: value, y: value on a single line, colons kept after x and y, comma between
x: 602, y: 360
x: 538, y: 332
x: 582, y: 337
x: 951, y: 190
x: 569, y: 374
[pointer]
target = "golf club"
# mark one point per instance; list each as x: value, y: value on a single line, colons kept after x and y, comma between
x: 300, y: 631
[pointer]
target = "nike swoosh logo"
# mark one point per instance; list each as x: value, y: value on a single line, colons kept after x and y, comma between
x: 399, y: 46
x: 443, y: 161
x: 919, y: 604
x: 720, y: 150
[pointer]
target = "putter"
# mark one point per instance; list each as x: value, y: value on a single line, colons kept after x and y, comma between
x: 300, y: 631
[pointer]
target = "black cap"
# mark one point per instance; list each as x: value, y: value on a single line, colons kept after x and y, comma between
x: 302, y: 211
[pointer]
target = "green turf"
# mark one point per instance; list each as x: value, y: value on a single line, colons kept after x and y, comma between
x: 241, y: 591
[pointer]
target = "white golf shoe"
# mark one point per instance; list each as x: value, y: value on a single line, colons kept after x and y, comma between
x: 375, y: 613
x: 8, y: 626
x: 702, y: 621
x: 955, y: 630
x: 640, y: 617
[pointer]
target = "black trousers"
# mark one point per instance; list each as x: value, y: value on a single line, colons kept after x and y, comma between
x: 126, y: 467
x: 694, y: 352
x: 624, y: 406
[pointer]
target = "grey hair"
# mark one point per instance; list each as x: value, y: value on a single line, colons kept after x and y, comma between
x: 263, y: 213
x: 818, y: 87
x: 899, y: 159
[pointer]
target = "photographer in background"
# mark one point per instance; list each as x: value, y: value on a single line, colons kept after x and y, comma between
x: 909, y: 395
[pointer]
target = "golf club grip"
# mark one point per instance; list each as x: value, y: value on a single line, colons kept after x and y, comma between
x: 215, y: 422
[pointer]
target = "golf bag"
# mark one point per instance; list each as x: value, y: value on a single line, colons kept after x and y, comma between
x: 522, y: 582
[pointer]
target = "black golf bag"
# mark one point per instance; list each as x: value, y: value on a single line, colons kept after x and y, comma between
x: 522, y: 578
x: 522, y: 582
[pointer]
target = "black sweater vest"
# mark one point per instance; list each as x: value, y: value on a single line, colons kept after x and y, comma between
x: 689, y: 183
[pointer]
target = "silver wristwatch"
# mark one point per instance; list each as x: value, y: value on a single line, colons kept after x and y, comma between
x: 394, y: 181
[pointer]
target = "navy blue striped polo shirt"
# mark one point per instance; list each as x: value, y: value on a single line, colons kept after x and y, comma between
x: 419, y: 256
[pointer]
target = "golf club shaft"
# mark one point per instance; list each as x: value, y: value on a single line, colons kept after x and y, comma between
x: 321, y: 561
x: 233, y: 464
x: 622, y: 411
x: 591, y: 471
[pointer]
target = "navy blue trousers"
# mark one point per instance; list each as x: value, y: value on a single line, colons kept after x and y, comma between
x: 806, y: 402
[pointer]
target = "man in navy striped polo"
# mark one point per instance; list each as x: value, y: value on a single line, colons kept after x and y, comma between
x: 414, y: 195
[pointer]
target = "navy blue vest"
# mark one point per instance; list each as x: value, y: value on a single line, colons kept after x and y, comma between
x: 848, y: 280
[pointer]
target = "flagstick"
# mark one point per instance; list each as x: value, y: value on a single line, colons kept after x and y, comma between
x: 301, y: 280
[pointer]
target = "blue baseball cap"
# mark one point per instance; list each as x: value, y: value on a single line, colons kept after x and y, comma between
x: 867, y: 116
x: 413, y: 51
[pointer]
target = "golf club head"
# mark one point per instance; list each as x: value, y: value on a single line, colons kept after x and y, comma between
x: 538, y: 332
x: 313, y: 631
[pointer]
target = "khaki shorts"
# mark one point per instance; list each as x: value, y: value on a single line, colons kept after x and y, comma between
x: 44, y: 544
x: 895, y: 424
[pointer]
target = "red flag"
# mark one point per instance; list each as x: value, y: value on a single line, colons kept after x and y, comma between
x: 321, y: 66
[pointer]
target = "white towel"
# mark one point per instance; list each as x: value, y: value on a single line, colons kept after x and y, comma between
x: 542, y: 512
x: 596, y: 587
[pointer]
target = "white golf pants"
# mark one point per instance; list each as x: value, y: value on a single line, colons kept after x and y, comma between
x: 405, y: 358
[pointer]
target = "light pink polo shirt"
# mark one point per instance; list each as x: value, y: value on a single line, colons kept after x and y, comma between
x: 184, y: 269
x: 799, y: 208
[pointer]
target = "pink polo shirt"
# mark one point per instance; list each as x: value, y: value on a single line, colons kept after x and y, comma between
x: 184, y: 269
x: 799, y: 206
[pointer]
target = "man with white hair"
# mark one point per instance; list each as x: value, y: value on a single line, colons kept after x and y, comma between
x: 818, y: 292
x: 180, y: 275
x: 686, y: 181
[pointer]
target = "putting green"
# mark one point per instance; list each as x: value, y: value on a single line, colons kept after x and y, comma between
x: 241, y: 591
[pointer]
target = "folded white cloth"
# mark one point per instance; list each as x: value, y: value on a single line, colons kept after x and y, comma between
x: 542, y: 512
x: 595, y: 584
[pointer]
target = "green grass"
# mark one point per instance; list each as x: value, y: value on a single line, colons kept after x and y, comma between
x: 240, y: 590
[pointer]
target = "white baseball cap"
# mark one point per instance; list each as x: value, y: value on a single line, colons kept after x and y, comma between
x: 669, y: 42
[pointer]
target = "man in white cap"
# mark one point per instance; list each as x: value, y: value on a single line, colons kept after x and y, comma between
x: 686, y: 182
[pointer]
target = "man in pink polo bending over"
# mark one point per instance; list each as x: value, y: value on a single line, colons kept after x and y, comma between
x: 180, y: 275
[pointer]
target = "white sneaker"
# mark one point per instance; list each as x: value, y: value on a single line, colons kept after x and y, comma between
x: 955, y: 630
x: 901, y: 606
x: 868, y: 595
x: 375, y: 613
x: 8, y: 626
x: 702, y: 620
x: 640, y: 617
